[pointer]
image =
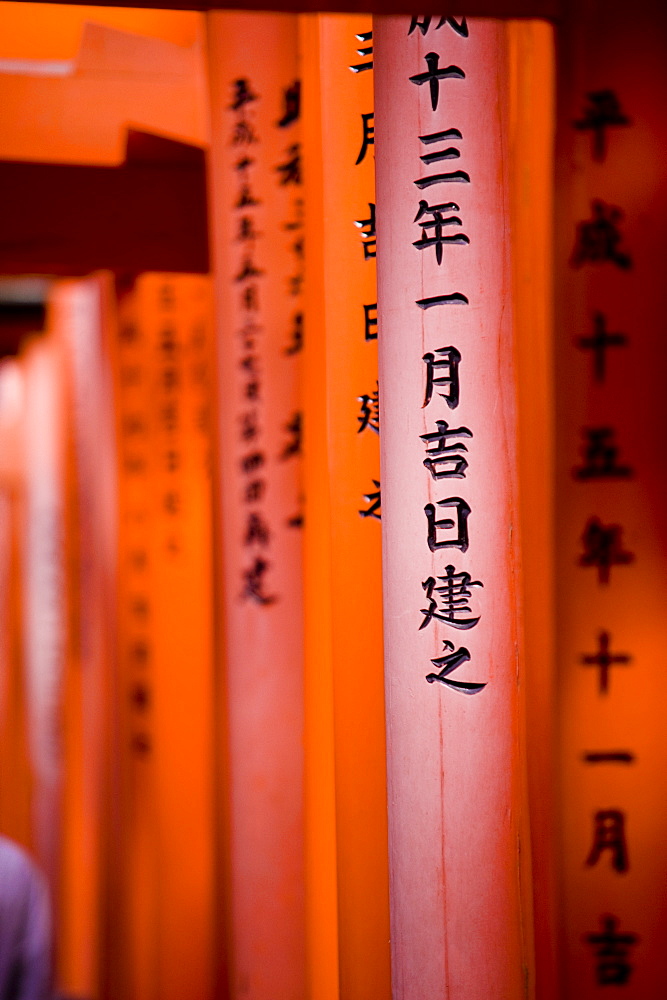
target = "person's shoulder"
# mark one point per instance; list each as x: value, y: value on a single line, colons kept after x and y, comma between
x: 16, y: 862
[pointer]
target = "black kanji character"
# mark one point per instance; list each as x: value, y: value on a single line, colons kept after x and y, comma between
x: 292, y: 104
x: 367, y: 227
x: 295, y: 283
x: 371, y: 321
x: 242, y: 94
x: 294, y: 428
x: 246, y: 198
x: 604, y: 660
x: 248, y: 271
x: 460, y: 539
x: 364, y: 51
x: 448, y: 299
x: 598, y: 238
x: 609, y: 835
x: 368, y: 137
x: 140, y: 696
x: 290, y: 170
x: 374, y: 500
x: 598, y: 344
x: 449, y: 153
x: 250, y: 463
x: 255, y: 490
x: 133, y: 423
x: 249, y: 426
x: 434, y: 75
x: 448, y: 359
x: 608, y: 757
x: 603, y: 548
x: 454, y: 597
x: 140, y: 652
x: 257, y: 530
x: 460, y: 26
x: 370, y: 412
x: 437, y: 239
x: 244, y: 133
x: 296, y: 341
x: 448, y: 664
x: 171, y: 502
x: 172, y: 460
x: 254, y: 585
x: 611, y: 951
x: 296, y: 223
x: 243, y: 164
x: 600, y: 456
x: 445, y: 460
x: 250, y: 298
x: 247, y: 231
x: 602, y: 111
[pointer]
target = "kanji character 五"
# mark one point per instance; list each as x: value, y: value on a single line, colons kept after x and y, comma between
x: 600, y: 456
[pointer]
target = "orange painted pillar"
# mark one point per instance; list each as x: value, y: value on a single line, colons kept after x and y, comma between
x: 458, y: 825
x: 44, y: 592
x: 611, y: 214
x: 76, y: 317
x: 531, y: 131
x: 257, y: 244
x: 15, y: 766
x: 164, y: 686
x: 348, y: 917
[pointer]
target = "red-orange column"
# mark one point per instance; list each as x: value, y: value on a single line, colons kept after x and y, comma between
x: 458, y: 838
x: 530, y: 147
x: 348, y: 920
x: 15, y: 769
x: 44, y: 592
x: 611, y: 212
x: 76, y: 318
x: 257, y: 241
x: 163, y: 696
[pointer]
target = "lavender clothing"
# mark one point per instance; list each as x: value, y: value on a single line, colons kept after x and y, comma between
x: 25, y: 927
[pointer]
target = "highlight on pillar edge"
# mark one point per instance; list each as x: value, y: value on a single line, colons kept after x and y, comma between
x: 333, y: 501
